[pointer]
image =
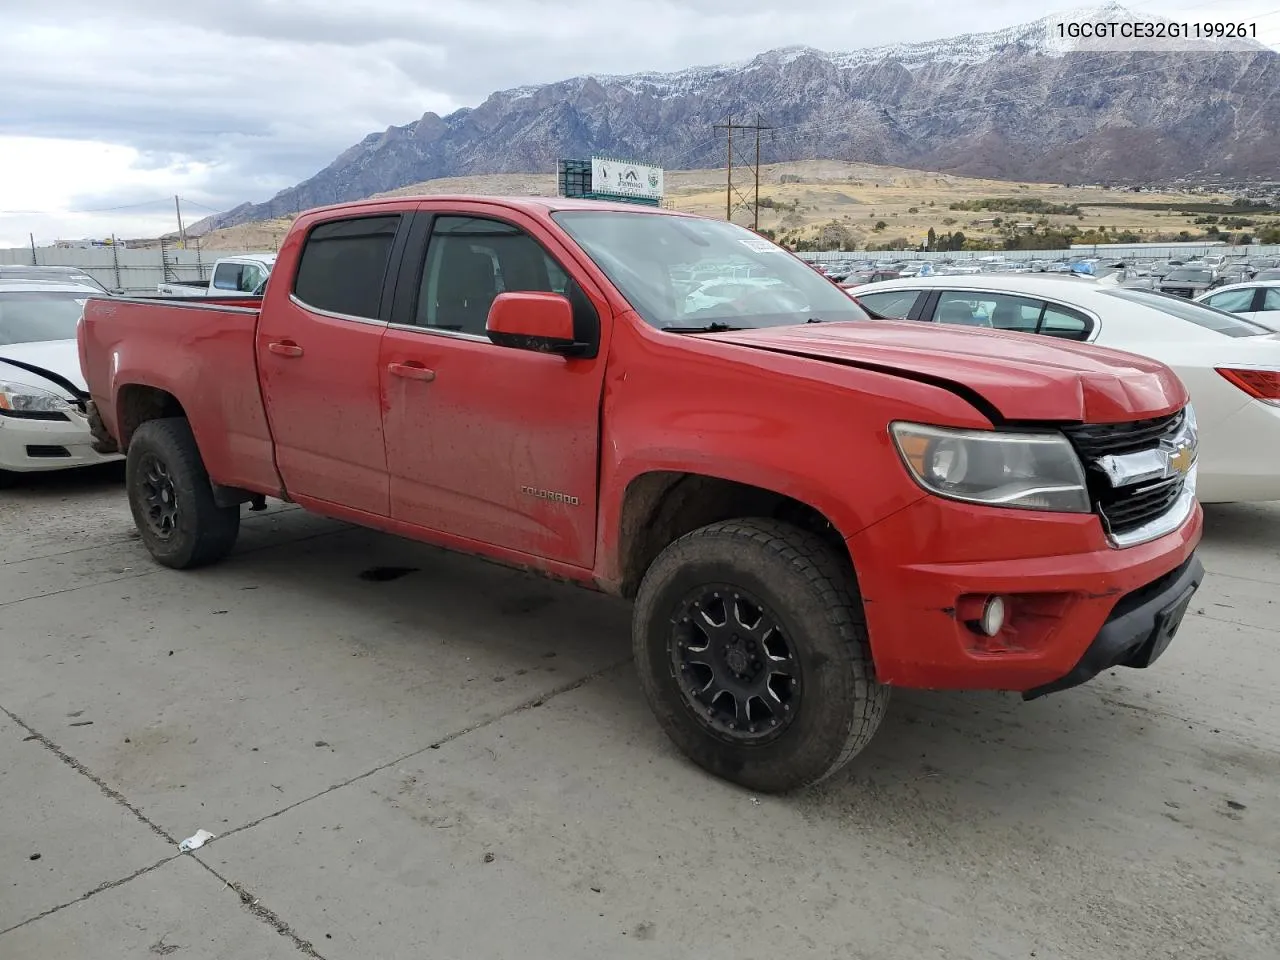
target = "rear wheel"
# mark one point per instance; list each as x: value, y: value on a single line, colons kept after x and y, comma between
x: 172, y: 499
x: 752, y: 649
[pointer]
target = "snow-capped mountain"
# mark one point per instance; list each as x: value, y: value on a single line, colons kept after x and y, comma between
x: 1022, y: 103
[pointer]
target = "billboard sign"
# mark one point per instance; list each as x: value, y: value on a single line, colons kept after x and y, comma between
x: 620, y: 179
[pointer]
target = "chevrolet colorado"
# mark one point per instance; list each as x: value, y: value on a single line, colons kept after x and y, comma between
x: 807, y: 505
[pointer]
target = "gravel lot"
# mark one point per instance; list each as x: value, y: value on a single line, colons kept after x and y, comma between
x: 446, y: 759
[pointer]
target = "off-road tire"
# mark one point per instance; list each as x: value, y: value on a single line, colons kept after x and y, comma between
x: 813, y: 595
x: 203, y: 531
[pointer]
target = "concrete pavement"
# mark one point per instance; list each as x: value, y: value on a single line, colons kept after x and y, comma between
x: 404, y: 753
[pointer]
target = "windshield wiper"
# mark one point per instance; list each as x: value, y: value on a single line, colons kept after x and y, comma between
x: 715, y: 327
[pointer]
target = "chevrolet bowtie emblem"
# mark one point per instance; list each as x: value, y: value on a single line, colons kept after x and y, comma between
x: 1181, y: 459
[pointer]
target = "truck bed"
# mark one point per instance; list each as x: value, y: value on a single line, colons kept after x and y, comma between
x: 206, y: 348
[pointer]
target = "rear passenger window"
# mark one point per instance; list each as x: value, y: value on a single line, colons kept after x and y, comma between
x: 344, y: 264
x: 1272, y: 299
x: 894, y: 304
x: 226, y: 276
x: 1064, y: 323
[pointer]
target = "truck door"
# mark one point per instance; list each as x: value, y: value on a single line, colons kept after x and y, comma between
x: 318, y: 355
x: 488, y: 443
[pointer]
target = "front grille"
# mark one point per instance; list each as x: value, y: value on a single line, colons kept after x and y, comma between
x: 1127, y: 508
x: 1130, y: 507
x: 1099, y: 439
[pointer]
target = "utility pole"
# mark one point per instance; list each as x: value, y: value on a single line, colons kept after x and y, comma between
x: 32, y: 238
x: 115, y: 259
x: 728, y: 168
x: 182, y: 231
x: 755, y: 208
x: 729, y: 188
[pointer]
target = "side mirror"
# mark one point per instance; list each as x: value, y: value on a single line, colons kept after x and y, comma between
x: 533, y: 321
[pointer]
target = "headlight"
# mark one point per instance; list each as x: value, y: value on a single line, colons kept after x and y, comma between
x: 1031, y: 471
x: 21, y: 398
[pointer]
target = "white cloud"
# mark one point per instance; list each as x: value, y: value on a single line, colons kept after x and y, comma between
x: 115, y: 104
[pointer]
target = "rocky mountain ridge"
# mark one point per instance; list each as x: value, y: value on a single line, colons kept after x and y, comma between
x: 1022, y: 103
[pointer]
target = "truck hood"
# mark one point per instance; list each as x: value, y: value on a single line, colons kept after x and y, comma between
x: 1018, y: 376
x: 52, y: 365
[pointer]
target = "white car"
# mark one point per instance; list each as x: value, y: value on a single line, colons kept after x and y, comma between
x: 1256, y: 300
x: 1230, y: 365
x: 42, y: 391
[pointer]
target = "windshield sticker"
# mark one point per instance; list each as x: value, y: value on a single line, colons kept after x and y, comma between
x: 759, y: 245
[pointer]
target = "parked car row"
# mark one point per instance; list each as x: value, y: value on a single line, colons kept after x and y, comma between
x: 1188, y: 278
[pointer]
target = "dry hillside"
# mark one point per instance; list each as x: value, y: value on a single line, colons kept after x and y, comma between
x: 800, y: 199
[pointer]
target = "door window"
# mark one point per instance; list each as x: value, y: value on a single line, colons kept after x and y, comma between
x: 226, y: 276
x: 470, y: 260
x: 981, y: 309
x: 1271, y: 301
x: 895, y: 304
x: 1233, y: 301
x: 344, y: 265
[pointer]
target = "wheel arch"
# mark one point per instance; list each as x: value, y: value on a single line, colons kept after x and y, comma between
x: 660, y: 506
x: 136, y: 403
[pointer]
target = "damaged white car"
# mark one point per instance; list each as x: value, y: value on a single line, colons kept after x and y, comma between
x: 42, y: 392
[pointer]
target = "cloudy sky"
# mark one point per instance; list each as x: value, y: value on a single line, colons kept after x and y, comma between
x: 113, y: 106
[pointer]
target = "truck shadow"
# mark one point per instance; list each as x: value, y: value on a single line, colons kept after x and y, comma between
x: 1243, y: 525
x: 63, y: 483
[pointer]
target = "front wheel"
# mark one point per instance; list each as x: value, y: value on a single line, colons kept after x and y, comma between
x: 172, y: 499
x: 752, y: 649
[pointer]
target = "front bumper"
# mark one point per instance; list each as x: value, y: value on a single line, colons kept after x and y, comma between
x: 33, y: 446
x: 920, y: 569
x: 1139, y: 629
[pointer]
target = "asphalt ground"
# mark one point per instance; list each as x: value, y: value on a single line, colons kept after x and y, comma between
x: 406, y: 753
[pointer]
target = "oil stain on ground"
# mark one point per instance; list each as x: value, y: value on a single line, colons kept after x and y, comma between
x: 383, y: 574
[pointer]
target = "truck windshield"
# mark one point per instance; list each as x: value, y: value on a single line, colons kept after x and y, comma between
x: 691, y: 274
x: 33, y: 317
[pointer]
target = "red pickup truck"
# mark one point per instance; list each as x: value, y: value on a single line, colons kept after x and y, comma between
x: 808, y: 505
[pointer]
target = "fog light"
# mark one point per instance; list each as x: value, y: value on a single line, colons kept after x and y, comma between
x: 992, y: 621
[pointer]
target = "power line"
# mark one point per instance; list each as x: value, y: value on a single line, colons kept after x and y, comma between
x: 729, y: 207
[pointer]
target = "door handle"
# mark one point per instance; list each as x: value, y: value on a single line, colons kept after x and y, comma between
x: 285, y: 348
x: 411, y: 370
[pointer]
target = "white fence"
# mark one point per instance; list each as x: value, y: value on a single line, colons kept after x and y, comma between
x: 139, y: 271
x: 119, y: 268
x: 1139, y: 250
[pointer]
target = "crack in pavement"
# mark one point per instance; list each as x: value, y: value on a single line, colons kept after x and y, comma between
x: 265, y: 914
x: 529, y: 704
x: 110, y: 884
x: 250, y: 902
x: 80, y: 768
